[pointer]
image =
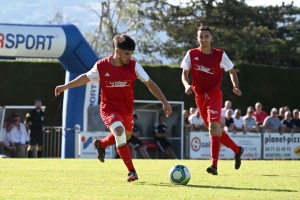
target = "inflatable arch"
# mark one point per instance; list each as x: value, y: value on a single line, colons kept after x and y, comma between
x: 66, y: 43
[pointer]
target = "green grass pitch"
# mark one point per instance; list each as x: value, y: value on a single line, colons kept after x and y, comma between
x: 90, y: 179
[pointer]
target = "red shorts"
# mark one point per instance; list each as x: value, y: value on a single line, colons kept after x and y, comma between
x: 112, y: 116
x: 210, y: 106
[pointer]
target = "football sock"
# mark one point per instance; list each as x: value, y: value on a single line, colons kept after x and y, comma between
x: 125, y: 154
x: 215, y: 150
x: 30, y: 154
x: 229, y: 143
x: 39, y: 154
x: 108, y: 141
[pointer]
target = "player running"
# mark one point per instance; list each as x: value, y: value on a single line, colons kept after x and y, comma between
x: 117, y: 74
x: 207, y: 64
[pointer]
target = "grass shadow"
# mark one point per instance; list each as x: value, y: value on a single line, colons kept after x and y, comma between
x: 213, y: 187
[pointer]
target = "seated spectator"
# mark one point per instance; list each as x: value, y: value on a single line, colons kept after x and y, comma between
x: 249, y: 122
x: 197, y: 122
x: 192, y: 111
x: 161, y: 133
x: 259, y: 114
x: 272, y: 124
x: 296, y: 120
x: 227, y: 106
x: 229, y: 123
x: 250, y: 108
x: 22, y: 137
x: 281, y: 113
x: 287, y: 123
x: 238, y: 121
x: 8, y: 140
x: 135, y: 143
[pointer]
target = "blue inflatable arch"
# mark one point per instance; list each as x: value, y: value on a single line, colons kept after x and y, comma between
x: 66, y: 43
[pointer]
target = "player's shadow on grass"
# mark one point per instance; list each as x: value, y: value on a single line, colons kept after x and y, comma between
x: 213, y: 187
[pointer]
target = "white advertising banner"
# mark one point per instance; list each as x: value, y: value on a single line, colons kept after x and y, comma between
x: 286, y: 146
x: 87, y: 149
x: 200, y: 145
x: 31, y: 41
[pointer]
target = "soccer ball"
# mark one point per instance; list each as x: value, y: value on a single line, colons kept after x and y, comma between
x: 179, y: 175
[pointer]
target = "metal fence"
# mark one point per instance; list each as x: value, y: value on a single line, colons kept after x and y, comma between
x: 52, y: 142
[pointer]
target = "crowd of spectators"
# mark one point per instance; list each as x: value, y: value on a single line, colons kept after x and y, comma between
x: 253, y: 120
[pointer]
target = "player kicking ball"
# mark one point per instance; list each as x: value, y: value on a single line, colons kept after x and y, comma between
x: 206, y: 64
x: 116, y: 75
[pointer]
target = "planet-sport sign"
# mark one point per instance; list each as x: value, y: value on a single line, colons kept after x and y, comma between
x: 26, y: 41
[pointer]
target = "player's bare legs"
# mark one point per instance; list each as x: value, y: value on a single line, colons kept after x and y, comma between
x: 215, y: 133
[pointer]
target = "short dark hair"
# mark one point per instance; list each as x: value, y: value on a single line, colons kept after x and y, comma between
x: 205, y: 28
x: 160, y: 115
x: 14, y: 116
x: 37, y: 100
x: 124, y: 42
x: 135, y: 116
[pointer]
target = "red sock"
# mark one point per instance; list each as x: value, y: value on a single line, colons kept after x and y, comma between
x: 108, y: 141
x: 215, y: 150
x: 125, y: 154
x: 229, y: 143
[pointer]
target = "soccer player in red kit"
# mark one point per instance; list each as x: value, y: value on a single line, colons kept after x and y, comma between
x: 117, y: 74
x: 206, y: 64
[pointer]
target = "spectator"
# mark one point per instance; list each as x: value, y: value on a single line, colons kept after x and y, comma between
x: 238, y: 121
x: 197, y: 122
x: 22, y: 137
x: 135, y: 143
x: 281, y: 113
x: 287, y: 123
x: 35, y: 120
x: 272, y: 124
x: 8, y: 140
x: 287, y: 108
x: 192, y: 111
x: 296, y: 120
x: 161, y: 133
x: 250, y: 108
x: 229, y: 123
x: 259, y: 114
x: 227, y: 105
x: 250, y: 122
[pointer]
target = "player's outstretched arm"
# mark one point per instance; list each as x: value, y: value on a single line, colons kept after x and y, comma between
x: 79, y: 81
x: 155, y: 90
x: 235, y: 81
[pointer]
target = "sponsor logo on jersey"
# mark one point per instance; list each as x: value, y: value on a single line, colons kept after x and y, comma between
x: 117, y: 83
x: 107, y: 74
x: 213, y: 112
x: 196, y: 58
x: 204, y: 69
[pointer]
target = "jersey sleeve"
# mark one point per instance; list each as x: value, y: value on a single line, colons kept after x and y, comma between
x: 93, y: 74
x: 186, y: 62
x: 226, y: 63
x: 140, y: 73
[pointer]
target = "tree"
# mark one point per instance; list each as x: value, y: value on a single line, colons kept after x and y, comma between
x: 265, y: 35
x: 122, y: 16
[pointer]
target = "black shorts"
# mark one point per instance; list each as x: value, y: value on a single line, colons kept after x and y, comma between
x: 135, y: 141
x: 36, y: 137
x: 162, y: 144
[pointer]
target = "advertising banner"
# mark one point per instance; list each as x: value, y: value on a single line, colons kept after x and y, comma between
x: 200, y: 145
x: 87, y: 148
x: 31, y: 41
x: 285, y: 146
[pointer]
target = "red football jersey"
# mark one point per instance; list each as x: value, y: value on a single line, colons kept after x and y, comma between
x: 207, y: 69
x: 117, y: 84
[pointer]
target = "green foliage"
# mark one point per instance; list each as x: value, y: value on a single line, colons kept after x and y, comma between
x: 255, y: 35
x: 90, y: 179
x: 22, y: 82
